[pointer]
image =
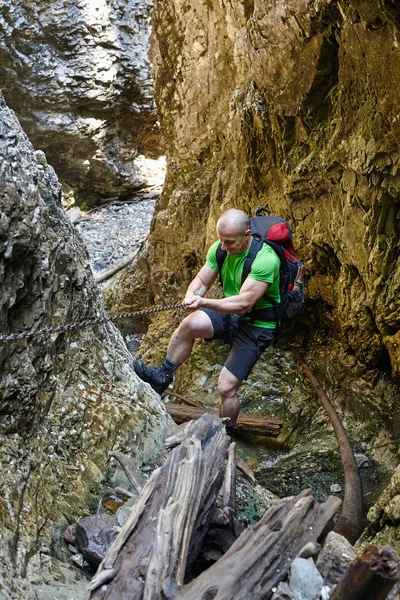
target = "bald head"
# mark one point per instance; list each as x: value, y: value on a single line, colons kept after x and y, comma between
x: 234, y: 220
x: 233, y: 229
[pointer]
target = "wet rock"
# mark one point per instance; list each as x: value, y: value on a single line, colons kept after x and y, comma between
x: 305, y: 580
x: 290, y: 474
x: 336, y: 488
x: 283, y: 592
x: 70, y: 534
x: 335, y: 558
x: 363, y: 461
x: 94, y: 536
x: 125, y: 511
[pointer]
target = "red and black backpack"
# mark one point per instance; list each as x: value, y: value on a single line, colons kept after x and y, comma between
x: 276, y: 232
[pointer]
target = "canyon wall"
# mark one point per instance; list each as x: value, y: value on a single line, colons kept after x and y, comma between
x: 77, y: 74
x: 66, y: 399
x: 294, y: 105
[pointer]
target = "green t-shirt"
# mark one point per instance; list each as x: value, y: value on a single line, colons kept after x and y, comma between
x: 265, y: 267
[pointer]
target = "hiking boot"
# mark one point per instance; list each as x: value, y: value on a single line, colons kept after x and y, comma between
x: 157, y: 377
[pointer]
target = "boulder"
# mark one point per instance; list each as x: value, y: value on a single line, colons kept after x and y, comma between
x: 94, y: 536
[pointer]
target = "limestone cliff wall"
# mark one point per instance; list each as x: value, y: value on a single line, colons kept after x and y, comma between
x: 66, y: 399
x: 292, y: 104
x: 77, y: 74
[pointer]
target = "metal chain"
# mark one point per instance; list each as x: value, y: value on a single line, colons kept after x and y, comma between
x: 25, y: 335
x: 159, y: 336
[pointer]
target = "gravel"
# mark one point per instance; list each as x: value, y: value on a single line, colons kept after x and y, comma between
x: 113, y: 231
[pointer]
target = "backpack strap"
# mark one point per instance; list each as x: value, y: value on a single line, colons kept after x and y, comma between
x: 256, y: 245
x: 269, y: 314
x: 220, y: 256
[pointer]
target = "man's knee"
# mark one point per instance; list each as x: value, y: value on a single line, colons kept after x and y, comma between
x: 228, y: 384
x: 196, y: 325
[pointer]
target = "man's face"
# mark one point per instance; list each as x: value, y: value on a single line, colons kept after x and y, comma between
x: 232, y: 241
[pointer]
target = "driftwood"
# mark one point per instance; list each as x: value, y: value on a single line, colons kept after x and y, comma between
x: 245, y: 469
x: 183, y: 398
x: 186, y: 512
x: 256, y: 425
x: 166, y: 529
x: 350, y: 523
x: 224, y: 527
x: 261, y: 556
x: 130, y: 469
x: 370, y: 577
x: 107, y: 273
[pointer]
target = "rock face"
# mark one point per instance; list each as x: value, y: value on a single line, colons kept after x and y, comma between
x: 77, y: 74
x: 287, y: 104
x: 293, y: 105
x: 66, y: 398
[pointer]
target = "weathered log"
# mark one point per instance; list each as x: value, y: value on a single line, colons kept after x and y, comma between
x: 351, y: 520
x: 370, y: 577
x: 130, y: 469
x: 224, y: 527
x: 189, y: 497
x: 124, y: 262
x: 229, y: 487
x: 167, y: 527
x: 256, y: 425
x: 183, y: 398
x: 245, y: 470
x: 260, y: 558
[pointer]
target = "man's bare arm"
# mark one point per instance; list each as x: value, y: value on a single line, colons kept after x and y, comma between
x: 200, y: 284
x: 250, y: 292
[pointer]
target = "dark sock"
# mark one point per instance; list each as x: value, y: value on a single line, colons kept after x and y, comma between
x: 169, y: 366
x: 229, y: 430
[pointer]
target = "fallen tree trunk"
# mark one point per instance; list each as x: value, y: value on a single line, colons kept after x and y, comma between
x: 256, y: 425
x: 183, y: 398
x: 350, y: 523
x: 187, y: 510
x: 166, y: 529
x: 261, y: 557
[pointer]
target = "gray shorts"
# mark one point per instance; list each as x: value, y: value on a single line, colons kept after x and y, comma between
x: 247, y: 345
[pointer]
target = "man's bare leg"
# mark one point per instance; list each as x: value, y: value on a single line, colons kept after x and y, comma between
x: 196, y: 325
x: 228, y: 386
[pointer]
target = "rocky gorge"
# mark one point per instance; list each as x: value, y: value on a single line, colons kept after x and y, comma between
x: 286, y: 104
x: 289, y: 104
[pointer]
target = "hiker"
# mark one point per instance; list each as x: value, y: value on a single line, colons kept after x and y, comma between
x: 227, y: 318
